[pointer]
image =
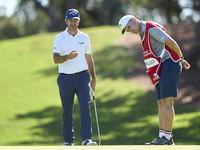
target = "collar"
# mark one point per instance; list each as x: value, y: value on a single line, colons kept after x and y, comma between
x: 67, y: 33
x: 143, y: 26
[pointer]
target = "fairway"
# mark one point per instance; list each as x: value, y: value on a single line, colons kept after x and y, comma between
x: 128, y: 147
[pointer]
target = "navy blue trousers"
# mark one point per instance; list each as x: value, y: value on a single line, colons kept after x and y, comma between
x: 169, y: 79
x: 69, y: 85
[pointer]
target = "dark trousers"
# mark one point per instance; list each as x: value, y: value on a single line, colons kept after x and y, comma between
x: 69, y: 85
x: 169, y: 79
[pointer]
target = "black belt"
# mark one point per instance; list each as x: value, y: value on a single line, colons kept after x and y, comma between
x: 79, y: 72
x: 74, y: 73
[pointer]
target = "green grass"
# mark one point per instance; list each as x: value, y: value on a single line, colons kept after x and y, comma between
x: 30, y: 108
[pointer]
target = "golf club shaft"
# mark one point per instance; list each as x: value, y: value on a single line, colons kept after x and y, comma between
x: 95, y: 108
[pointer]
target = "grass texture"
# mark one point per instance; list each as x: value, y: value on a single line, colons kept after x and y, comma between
x: 30, y: 107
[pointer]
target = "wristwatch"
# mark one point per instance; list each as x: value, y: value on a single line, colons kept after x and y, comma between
x: 182, y: 58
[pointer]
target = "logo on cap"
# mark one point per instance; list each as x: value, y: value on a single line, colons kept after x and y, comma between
x: 72, y: 13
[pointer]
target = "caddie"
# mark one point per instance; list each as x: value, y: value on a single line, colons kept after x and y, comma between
x: 164, y: 61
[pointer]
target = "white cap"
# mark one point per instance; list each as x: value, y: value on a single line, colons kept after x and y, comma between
x: 124, y: 21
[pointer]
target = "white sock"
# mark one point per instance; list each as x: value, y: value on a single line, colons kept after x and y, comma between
x: 167, y: 134
x: 161, y: 133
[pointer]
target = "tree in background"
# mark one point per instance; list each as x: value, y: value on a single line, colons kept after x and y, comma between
x: 34, y: 16
x: 10, y: 28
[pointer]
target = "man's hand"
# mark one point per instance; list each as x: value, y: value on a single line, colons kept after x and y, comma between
x: 93, y: 84
x: 61, y: 59
x: 73, y: 54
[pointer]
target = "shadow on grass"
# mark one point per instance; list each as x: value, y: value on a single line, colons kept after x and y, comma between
x: 122, y: 120
x: 113, y: 122
x: 188, y: 135
x: 49, y: 71
x: 113, y: 62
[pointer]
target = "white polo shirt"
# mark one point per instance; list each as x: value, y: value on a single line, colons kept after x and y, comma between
x: 64, y: 43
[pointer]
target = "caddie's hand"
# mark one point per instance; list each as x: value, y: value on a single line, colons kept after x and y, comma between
x: 73, y: 54
x: 185, y: 64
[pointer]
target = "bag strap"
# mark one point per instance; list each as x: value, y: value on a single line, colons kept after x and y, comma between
x: 162, y: 53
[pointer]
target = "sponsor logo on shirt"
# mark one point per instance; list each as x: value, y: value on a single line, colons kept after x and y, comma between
x: 80, y: 42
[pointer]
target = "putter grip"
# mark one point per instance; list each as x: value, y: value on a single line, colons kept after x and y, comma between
x: 93, y: 94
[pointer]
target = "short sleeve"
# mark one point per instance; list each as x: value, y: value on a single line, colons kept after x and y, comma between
x: 56, y: 45
x: 159, y: 35
x: 88, y: 47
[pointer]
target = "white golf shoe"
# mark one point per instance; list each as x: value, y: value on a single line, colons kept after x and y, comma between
x: 89, y: 142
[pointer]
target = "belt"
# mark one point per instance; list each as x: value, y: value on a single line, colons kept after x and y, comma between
x: 79, y: 72
x: 74, y: 73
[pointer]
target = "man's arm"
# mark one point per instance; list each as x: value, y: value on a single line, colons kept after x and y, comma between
x: 171, y: 43
x: 61, y: 59
x: 91, y: 69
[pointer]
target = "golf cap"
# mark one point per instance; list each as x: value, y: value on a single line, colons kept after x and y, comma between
x: 124, y: 21
x: 72, y: 13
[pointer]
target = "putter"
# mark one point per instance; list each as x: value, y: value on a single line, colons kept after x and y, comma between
x: 96, y: 115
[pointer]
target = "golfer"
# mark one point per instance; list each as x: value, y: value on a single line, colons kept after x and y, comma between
x: 164, y: 61
x: 72, y: 53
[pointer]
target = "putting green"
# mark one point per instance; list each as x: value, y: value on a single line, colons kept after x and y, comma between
x: 121, y: 147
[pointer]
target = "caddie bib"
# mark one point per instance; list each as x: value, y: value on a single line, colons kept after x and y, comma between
x: 153, y: 63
